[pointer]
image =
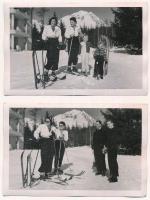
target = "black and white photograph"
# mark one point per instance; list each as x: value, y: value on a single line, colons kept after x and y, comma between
x: 76, y: 50
x: 56, y: 151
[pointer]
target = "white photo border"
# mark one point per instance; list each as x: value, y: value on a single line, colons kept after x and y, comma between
x: 71, y: 92
x: 57, y: 193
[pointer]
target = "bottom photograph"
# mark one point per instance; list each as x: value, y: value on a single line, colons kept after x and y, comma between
x: 85, y: 151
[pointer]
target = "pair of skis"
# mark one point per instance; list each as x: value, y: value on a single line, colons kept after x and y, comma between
x: 27, y: 172
x: 39, y: 80
x: 64, y: 178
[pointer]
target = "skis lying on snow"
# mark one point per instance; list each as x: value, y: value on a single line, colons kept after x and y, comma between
x: 59, y: 179
x: 61, y: 76
x: 64, y: 178
x: 73, y: 73
x: 77, y: 174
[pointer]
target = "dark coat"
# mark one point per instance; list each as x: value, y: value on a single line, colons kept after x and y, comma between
x: 112, y: 139
x: 112, y: 142
x: 99, y: 140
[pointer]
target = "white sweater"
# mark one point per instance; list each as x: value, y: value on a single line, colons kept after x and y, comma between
x: 43, y: 131
x: 61, y: 135
x: 72, y: 31
x: 49, y: 33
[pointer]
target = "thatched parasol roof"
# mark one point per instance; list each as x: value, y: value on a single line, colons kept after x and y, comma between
x: 75, y: 118
x: 85, y: 19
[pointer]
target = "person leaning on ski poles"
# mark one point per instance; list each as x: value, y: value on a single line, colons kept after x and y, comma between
x: 61, y: 135
x: 72, y: 34
x: 44, y: 133
x: 52, y: 37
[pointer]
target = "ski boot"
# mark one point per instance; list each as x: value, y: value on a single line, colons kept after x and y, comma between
x: 43, y: 176
x: 53, y: 76
x: 46, y: 77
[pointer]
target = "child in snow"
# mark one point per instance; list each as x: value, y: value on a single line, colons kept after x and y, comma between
x: 85, y: 50
x: 61, y: 139
x: 100, y: 56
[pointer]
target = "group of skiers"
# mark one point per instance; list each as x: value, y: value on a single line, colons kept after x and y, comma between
x: 52, y: 145
x: 53, y: 141
x: 75, y: 42
x: 105, y: 141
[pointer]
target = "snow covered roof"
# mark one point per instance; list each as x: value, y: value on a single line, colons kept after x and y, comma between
x: 84, y: 19
x: 75, y: 118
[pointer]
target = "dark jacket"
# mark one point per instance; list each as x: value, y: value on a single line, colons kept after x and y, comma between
x: 99, y: 140
x: 112, y: 139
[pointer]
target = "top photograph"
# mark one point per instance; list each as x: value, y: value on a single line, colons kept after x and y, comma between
x: 76, y: 50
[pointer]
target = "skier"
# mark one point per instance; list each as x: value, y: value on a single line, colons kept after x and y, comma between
x: 72, y: 34
x: 61, y: 138
x: 45, y: 133
x: 98, y: 148
x: 112, y: 147
x: 52, y: 37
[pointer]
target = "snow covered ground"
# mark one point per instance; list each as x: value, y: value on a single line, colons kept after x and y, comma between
x: 125, y: 72
x: 81, y: 158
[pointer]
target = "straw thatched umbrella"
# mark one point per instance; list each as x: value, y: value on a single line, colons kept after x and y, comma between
x: 79, y: 123
x: 86, y: 21
x: 75, y: 119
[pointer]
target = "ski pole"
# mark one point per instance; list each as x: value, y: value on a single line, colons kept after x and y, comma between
x: 58, y: 157
x: 35, y: 163
x: 29, y: 169
x: 67, y: 157
x: 70, y: 49
x: 22, y: 168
